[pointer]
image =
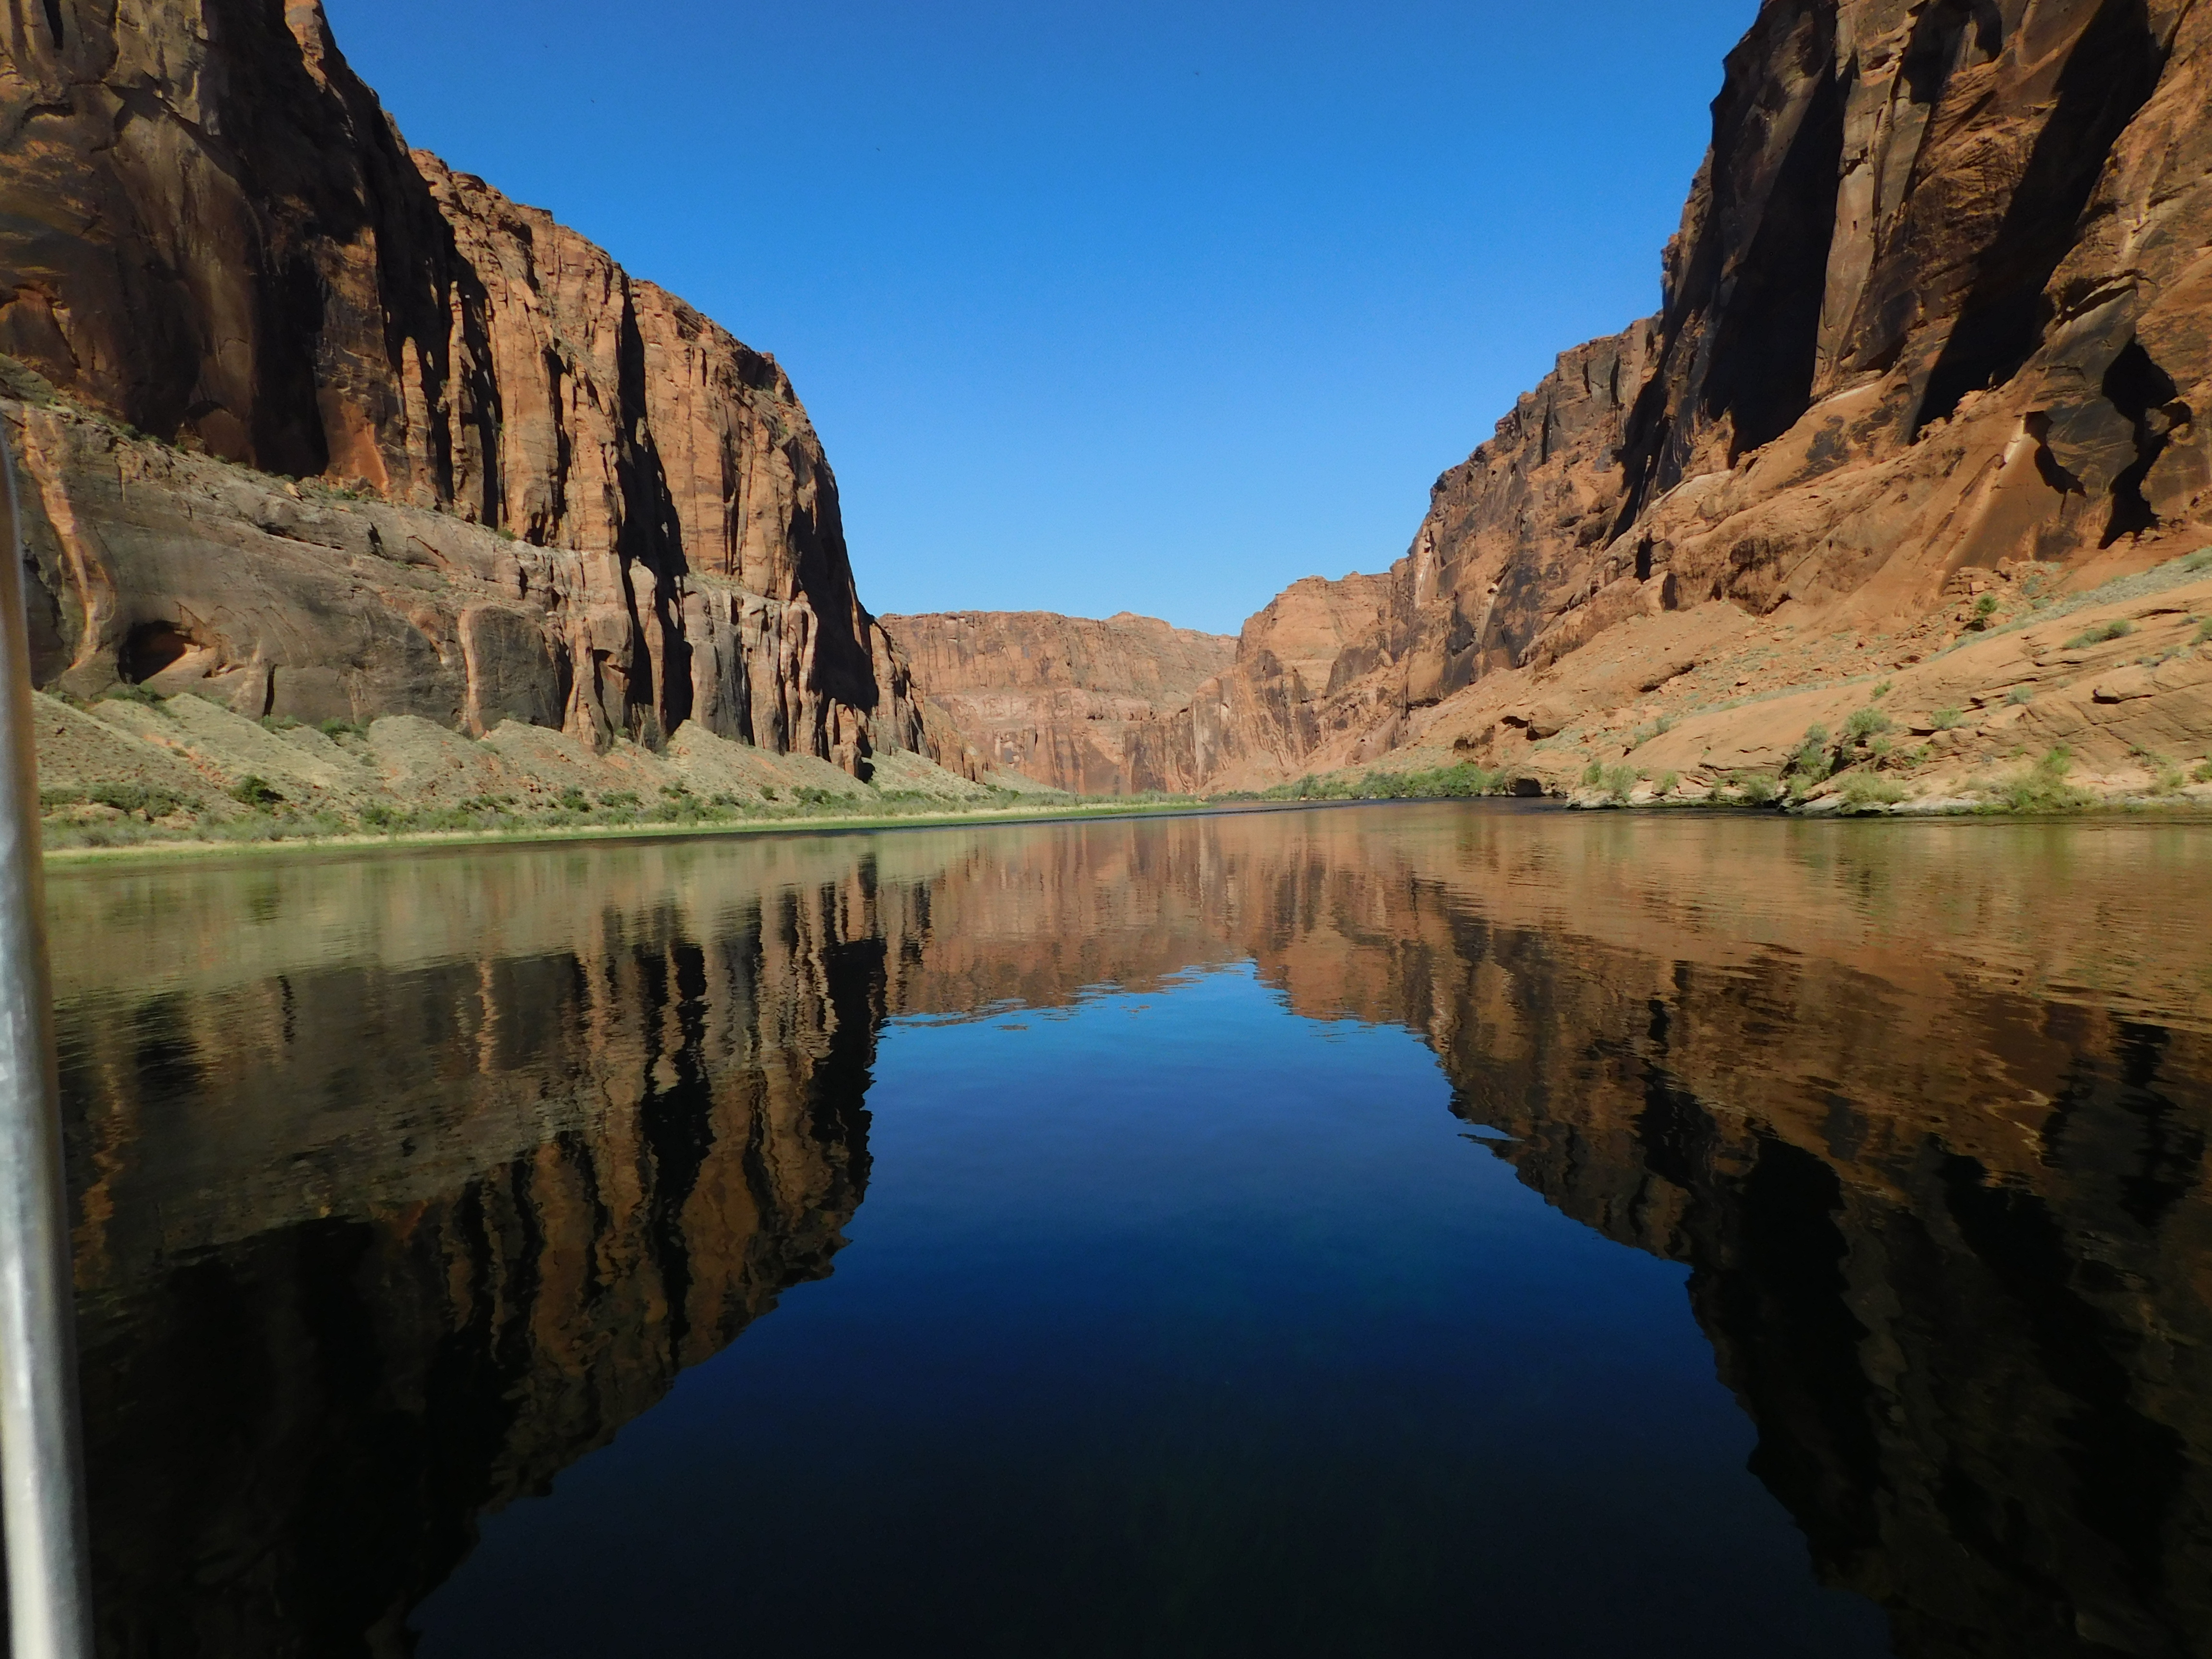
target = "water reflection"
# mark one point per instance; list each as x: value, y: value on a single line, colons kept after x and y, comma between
x: 405, y: 1183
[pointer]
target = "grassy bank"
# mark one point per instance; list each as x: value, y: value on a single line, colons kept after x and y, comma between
x: 288, y: 833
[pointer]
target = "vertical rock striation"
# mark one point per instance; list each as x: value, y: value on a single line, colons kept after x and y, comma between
x: 214, y: 235
x: 1053, y: 697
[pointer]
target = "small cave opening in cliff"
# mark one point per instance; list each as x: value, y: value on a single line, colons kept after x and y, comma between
x: 2110, y: 75
x: 2146, y: 396
x: 151, y: 647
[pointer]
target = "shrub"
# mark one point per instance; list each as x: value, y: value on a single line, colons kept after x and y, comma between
x: 1668, y: 784
x: 1948, y: 720
x: 619, y: 799
x: 2203, y: 636
x: 2169, y: 780
x: 1643, y: 734
x: 138, y: 694
x: 2202, y: 774
x: 1465, y: 782
x: 2018, y: 696
x: 336, y: 729
x: 2119, y: 629
x: 279, y: 723
x: 1809, y: 759
x: 1866, y: 723
x: 1881, y: 690
x: 1985, y: 608
x: 153, y: 803
x: 2043, y: 788
x: 1621, y: 781
x: 255, y: 792
x: 1759, y: 788
x: 2200, y: 560
x: 1594, y: 775
x: 1862, y: 792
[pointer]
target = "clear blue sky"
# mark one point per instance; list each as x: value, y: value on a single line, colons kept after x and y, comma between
x: 1098, y: 307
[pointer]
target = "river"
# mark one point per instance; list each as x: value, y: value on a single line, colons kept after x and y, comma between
x: 1457, y: 1229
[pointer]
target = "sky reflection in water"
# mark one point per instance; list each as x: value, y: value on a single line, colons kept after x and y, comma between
x: 1177, y: 1324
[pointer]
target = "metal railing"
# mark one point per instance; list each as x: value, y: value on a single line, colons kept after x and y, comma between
x: 41, y: 1461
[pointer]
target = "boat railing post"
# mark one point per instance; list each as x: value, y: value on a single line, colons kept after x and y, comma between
x: 41, y: 1461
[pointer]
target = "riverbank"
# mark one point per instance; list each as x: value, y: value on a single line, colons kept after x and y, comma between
x: 2194, y: 807
x: 296, y: 842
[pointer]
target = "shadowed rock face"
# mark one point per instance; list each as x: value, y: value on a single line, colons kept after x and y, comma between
x: 446, y: 1167
x: 1938, y: 303
x: 215, y: 236
x: 1052, y: 698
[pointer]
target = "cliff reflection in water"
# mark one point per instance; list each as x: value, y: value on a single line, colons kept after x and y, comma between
x: 406, y: 1183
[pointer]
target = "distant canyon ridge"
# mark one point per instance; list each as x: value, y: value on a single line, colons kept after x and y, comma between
x: 1056, y: 698
x: 315, y: 427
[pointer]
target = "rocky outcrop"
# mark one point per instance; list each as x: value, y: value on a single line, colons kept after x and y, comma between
x: 216, y: 237
x: 1938, y: 305
x: 1052, y: 698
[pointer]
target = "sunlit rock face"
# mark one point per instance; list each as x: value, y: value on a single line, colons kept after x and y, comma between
x: 1939, y: 302
x: 1055, y: 697
x: 442, y: 1169
x: 605, y: 513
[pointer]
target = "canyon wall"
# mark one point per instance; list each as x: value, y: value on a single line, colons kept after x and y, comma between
x: 1939, y: 303
x: 475, y: 467
x: 1053, y: 697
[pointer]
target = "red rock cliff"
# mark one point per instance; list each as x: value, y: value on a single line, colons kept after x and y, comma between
x: 1052, y: 698
x: 1939, y: 302
x: 214, y: 235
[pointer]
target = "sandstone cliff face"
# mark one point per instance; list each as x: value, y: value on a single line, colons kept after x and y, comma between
x: 214, y: 235
x: 1052, y: 698
x: 1939, y: 303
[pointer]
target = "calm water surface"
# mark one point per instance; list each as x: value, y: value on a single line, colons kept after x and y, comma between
x: 1452, y: 1229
